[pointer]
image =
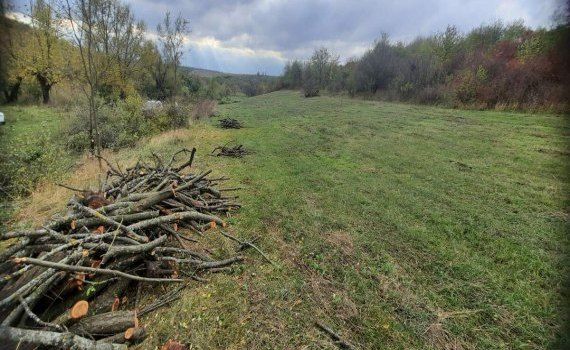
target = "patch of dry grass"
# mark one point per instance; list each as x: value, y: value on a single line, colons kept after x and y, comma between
x: 49, y: 199
x: 342, y: 241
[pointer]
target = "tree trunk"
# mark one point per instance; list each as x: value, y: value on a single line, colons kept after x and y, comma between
x: 45, y: 94
x: 45, y: 86
x: 175, y: 83
x: 92, y: 121
x: 13, y: 91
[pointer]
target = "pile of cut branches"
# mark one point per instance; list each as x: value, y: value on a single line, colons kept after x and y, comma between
x: 66, y: 284
x: 225, y: 151
x: 229, y: 123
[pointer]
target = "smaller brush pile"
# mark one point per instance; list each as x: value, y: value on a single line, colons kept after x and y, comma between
x: 75, y: 283
x: 226, y: 151
x: 229, y: 123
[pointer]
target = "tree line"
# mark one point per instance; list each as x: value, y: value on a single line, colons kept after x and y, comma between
x: 492, y: 66
x: 94, y: 53
x: 97, y: 43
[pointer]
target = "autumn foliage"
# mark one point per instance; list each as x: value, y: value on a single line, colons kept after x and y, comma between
x: 493, y: 66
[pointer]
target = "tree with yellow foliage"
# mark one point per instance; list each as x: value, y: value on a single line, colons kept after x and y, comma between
x: 43, y: 56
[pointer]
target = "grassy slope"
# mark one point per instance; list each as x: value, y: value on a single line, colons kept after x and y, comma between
x: 400, y: 226
x: 31, y: 149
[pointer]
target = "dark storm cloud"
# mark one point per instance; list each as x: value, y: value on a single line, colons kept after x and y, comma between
x: 293, y: 28
x: 260, y: 35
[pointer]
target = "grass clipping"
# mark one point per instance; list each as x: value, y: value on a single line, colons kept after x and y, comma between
x: 143, y: 225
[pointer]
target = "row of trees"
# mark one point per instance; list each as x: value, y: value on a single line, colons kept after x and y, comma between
x: 4, y: 39
x: 227, y: 85
x: 492, y: 66
x: 97, y: 43
x: 96, y: 46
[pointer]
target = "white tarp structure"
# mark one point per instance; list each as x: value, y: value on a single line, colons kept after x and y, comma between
x: 2, y: 118
x: 151, y: 107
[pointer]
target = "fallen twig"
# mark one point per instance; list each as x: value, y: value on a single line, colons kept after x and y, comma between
x: 249, y: 244
x: 335, y: 337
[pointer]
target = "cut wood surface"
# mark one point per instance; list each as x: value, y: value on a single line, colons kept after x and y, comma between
x: 79, y: 310
x: 134, y: 333
x: 131, y: 335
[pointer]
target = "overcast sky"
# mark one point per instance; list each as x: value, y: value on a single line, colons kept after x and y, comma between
x: 249, y: 36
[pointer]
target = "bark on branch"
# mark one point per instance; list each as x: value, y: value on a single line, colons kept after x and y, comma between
x: 71, y: 268
x: 54, y: 339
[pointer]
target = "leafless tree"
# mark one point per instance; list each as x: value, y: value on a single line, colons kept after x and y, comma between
x: 107, y: 37
x: 171, y: 36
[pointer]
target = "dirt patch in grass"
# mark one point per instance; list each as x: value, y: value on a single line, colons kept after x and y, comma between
x: 540, y: 135
x: 366, y: 168
x: 554, y: 151
x: 334, y: 300
x: 342, y: 241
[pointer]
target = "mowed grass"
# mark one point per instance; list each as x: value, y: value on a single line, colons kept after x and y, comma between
x: 400, y: 226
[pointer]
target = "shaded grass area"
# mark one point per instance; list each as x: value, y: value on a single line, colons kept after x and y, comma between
x: 31, y: 151
x: 399, y: 226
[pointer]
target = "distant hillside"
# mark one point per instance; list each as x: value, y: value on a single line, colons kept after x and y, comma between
x: 206, y: 73
x: 249, y: 84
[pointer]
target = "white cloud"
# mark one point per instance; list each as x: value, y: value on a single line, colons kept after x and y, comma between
x: 18, y: 16
x: 211, y: 53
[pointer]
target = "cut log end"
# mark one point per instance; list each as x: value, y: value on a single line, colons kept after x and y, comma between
x: 129, y: 333
x: 135, y: 334
x: 79, y: 310
x: 19, y: 260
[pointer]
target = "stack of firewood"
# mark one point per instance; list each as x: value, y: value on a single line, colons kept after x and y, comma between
x: 237, y: 151
x: 229, y: 123
x: 66, y: 283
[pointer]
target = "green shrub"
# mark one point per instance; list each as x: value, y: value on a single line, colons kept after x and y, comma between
x: 122, y: 124
x: 78, y: 141
x: 30, y: 157
x: 467, y: 88
x: 177, y: 116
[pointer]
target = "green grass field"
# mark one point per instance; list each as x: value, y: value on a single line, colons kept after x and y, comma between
x: 400, y: 226
x: 31, y: 151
